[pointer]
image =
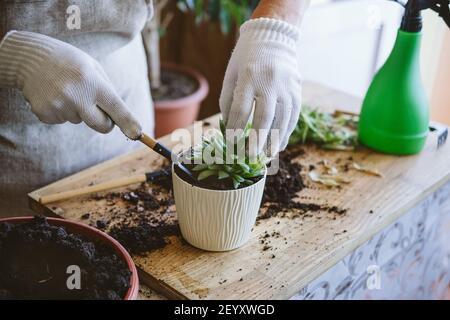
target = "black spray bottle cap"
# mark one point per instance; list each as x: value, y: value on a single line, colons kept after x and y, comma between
x: 412, y: 19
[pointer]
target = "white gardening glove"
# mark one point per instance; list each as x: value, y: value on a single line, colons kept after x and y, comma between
x: 63, y: 83
x: 263, y: 68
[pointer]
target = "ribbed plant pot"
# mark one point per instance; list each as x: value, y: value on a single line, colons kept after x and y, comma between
x: 216, y: 220
x: 172, y: 114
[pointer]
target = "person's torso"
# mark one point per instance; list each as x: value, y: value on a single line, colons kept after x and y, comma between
x: 32, y: 153
x: 97, y: 27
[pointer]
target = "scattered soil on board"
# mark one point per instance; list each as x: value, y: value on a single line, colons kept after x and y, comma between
x: 174, y: 85
x: 281, y: 189
x: 145, y: 218
x: 34, y: 257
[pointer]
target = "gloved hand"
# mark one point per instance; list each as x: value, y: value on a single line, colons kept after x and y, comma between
x: 263, y: 68
x: 62, y: 83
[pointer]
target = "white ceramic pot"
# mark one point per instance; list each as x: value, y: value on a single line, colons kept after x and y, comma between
x: 216, y: 220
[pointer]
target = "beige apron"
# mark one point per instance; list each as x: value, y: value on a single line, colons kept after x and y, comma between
x: 33, y: 154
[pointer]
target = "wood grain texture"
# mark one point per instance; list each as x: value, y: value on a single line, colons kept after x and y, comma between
x: 308, y: 245
x: 93, y: 188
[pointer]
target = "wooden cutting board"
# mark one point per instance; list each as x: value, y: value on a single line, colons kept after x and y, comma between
x: 306, y: 246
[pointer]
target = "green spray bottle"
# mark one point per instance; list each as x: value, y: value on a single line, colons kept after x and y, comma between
x: 395, y: 115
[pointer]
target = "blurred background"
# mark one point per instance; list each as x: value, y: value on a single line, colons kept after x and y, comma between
x: 343, y: 43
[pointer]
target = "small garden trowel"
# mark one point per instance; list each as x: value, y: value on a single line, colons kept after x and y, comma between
x: 169, y: 155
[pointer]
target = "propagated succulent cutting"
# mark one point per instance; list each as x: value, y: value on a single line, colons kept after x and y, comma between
x: 234, y: 165
x: 330, y: 131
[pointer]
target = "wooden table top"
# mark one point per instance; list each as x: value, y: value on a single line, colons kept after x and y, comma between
x: 308, y: 246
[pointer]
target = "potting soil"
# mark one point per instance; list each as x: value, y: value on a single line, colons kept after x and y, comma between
x: 40, y: 261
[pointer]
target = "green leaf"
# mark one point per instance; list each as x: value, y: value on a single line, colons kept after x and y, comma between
x: 223, y: 174
x: 214, y: 167
x: 198, y: 11
x: 244, y: 167
x: 238, y: 178
x: 234, y: 11
x: 205, y: 174
x: 200, y: 167
x: 218, y: 145
x: 214, y: 8
x: 225, y: 23
x: 241, y: 171
x: 223, y: 127
x: 236, y: 183
x: 227, y: 12
x: 326, y: 130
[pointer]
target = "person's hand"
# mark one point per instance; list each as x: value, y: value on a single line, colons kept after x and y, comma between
x: 63, y: 83
x: 263, y: 69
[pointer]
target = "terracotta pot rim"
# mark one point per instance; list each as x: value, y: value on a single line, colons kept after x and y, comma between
x: 92, y: 232
x: 195, y: 97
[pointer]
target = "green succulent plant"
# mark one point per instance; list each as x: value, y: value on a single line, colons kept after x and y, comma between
x: 227, y: 164
x: 336, y: 132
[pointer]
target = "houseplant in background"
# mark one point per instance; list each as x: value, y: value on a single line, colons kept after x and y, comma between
x: 206, y: 39
x: 228, y: 13
x: 219, y: 215
x: 178, y: 90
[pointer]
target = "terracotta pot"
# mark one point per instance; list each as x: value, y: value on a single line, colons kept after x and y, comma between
x: 179, y: 113
x: 216, y: 220
x: 96, y: 235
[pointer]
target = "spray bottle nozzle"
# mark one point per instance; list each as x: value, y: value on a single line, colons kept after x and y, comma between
x: 442, y: 7
x: 412, y: 20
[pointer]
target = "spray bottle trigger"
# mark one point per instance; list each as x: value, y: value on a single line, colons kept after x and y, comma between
x: 442, y: 7
x: 441, y: 131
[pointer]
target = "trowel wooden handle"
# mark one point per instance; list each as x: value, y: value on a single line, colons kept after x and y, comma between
x: 166, y: 153
x: 92, y: 189
x: 157, y: 147
x: 148, y: 141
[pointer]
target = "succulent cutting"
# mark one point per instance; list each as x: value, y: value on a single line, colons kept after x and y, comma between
x: 330, y: 131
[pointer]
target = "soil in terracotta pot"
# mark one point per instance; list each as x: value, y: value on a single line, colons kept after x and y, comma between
x: 34, y: 258
x: 174, y: 85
